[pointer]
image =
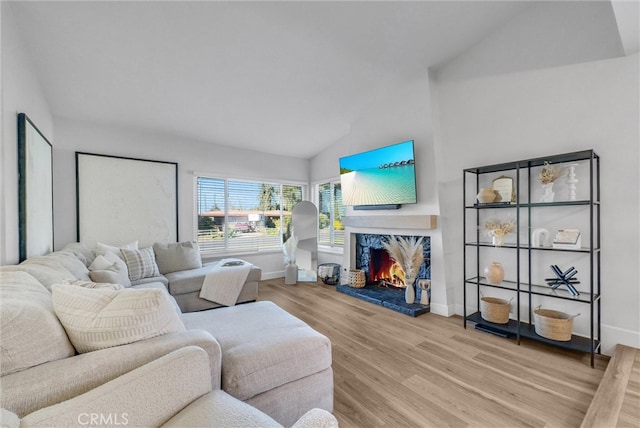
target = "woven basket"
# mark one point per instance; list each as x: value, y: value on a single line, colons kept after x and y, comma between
x: 553, y: 325
x: 495, y: 310
x: 357, y: 278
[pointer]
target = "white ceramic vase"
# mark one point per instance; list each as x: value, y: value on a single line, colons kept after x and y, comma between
x: 547, y: 193
x: 291, y: 274
x: 409, y: 291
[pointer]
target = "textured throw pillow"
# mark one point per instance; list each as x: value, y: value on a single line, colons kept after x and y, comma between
x: 102, y: 318
x: 102, y: 248
x: 109, y: 268
x: 90, y: 284
x: 140, y: 263
x: 177, y: 257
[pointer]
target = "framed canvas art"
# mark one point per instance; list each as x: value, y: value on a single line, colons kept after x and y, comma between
x: 121, y: 199
x: 35, y: 190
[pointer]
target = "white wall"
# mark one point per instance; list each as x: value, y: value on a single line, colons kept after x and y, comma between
x: 191, y: 156
x: 21, y: 93
x: 394, y: 117
x: 514, y: 116
x: 545, y: 34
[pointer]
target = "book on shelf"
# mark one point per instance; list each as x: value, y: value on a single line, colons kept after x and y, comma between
x: 567, y: 239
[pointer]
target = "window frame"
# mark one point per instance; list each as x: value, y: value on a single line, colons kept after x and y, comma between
x: 332, y: 246
x: 226, y: 251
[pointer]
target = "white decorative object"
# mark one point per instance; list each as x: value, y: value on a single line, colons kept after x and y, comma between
x: 291, y: 274
x: 539, y: 238
x: 572, y: 181
x: 568, y: 239
x: 289, y: 248
x: 425, y: 296
x: 409, y: 293
x: 547, y: 193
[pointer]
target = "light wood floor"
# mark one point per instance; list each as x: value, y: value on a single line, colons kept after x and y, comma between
x: 392, y: 370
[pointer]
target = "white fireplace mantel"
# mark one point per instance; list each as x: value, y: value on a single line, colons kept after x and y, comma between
x: 419, y: 222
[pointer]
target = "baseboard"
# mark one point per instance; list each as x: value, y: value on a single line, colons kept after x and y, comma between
x: 442, y: 310
x: 272, y: 275
x: 611, y: 336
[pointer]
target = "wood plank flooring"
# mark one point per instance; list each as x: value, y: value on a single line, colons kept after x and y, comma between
x: 617, y: 400
x: 391, y: 370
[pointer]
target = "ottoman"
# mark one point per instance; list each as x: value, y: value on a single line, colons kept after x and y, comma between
x: 270, y: 359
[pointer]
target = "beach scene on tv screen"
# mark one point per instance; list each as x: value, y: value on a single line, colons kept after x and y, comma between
x: 379, y: 177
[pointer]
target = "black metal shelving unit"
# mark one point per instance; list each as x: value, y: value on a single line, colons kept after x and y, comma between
x: 525, y: 211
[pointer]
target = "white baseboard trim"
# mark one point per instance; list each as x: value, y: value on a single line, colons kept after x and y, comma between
x: 443, y: 310
x: 611, y: 336
x: 272, y: 275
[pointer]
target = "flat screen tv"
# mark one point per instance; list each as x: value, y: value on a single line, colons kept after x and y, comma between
x: 383, y: 177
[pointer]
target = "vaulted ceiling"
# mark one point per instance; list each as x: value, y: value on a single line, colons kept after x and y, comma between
x: 284, y: 77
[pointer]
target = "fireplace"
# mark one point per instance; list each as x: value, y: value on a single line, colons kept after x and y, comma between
x: 379, y: 268
x: 385, y: 283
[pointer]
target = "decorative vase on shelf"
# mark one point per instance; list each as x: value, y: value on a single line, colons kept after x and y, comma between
x: 497, y: 240
x: 291, y: 274
x: 494, y: 273
x: 486, y: 195
x: 547, y: 192
x: 409, y: 291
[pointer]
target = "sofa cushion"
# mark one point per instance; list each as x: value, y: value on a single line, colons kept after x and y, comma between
x: 101, y: 318
x: 46, y: 270
x: 263, y: 346
x: 72, y: 263
x: 219, y: 409
x: 188, y: 281
x: 110, y: 268
x: 84, y: 253
x: 31, y: 333
x: 102, y: 248
x: 177, y: 256
x: 140, y: 263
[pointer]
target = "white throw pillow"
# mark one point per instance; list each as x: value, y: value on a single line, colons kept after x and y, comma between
x: 140, y: 263
x: 101, y: 318
x: 102, y: 248
x: 109, y: 268
x: 90, y: 284
x: 177, y: 256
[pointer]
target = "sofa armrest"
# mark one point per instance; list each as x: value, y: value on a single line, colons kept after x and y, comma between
x: 316, y: 418
x: 47, y: 384
x: 147, y: 396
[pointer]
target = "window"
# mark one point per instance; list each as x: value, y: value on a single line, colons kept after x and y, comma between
x: 331, y: 211
x: 236, y: 216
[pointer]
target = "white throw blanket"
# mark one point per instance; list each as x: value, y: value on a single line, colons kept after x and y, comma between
x: 223, y: 284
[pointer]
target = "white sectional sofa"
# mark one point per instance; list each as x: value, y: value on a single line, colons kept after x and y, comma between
x: 256, y: 352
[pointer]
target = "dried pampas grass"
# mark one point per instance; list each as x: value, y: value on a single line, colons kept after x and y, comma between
x: 407, y: 253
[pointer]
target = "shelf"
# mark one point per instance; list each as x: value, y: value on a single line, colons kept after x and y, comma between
x: 538, y: 290
x: 526, y: 247
x: 577, y: 343
x: 529, y: 163
x: 524, y: 209
x: 480, y: 206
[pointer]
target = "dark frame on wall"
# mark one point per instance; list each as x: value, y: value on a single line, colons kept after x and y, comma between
x: 122, y: 199
x: 35, y: 190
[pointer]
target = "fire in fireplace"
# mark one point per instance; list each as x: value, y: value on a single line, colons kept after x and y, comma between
x: 383, y: 270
